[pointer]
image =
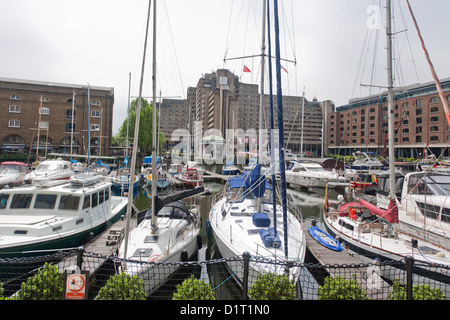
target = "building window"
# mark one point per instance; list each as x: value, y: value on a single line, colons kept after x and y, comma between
x: 95, y: 127
x: 14, y: 97
x: 405, y: 139
x: 419, y: 120
x: 406, y: 130
x: 418, y: 129
x: 434, y: 100
x: 418, y: 111
x: 69, y: 127
x: 434, y: 119
x: 14, y: 109
x: 434, y: 129
x: 405, y: 113
x: 69, y: 114
x: 434, y: 138
x: 45, y: 110
x: 95, y: 114
x: 434, y: 110
x: 14, y: 123
x: 418, y: 102
x: 43, y: 125
x: 418, y: 138
x: 95, y: 103
x: 406, y: 105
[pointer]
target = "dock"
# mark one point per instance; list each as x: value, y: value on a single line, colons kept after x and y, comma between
x: 212, y: 175
x: 375, y: 286
x: 105, y: 245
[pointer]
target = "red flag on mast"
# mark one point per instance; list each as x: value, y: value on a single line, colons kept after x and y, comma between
x: 246, y: 69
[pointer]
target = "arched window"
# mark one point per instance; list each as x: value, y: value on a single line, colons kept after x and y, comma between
x: 14, y: 97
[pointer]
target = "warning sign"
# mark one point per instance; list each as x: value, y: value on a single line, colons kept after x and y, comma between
x: 75, y: 285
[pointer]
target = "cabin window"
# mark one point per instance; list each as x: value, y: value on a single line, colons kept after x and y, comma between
x: 94, y: 200
x: 3, y: 201
x: 45, y: 201
x: 179, y: 214
x: 69, y: 202
x: 106, y: 194
x: 101, y: 197
x: 87, y: 202
x: 21, y: 201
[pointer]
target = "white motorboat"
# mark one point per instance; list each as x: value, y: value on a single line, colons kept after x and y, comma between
x: 49, y: 170
x: 59, y: 214
x: 311, y: 174
x: 423, y: 204
x: 12, y: 173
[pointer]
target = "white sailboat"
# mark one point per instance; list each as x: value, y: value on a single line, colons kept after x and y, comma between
x: 374, y: 233
x: 241, y: 221
x: 169, y: 230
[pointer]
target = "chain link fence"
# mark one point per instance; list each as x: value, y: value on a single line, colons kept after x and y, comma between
x: 229, y: 279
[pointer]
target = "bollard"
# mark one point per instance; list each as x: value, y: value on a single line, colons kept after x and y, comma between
x: 80, y: 251
x: 246, y: 257
x: 409, y: 277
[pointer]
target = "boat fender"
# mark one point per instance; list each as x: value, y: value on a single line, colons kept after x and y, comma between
x: 313, y: 222
x: 88, y: 237
x: 199, y: 242
x: 208, y: 229
x: 184, y: 256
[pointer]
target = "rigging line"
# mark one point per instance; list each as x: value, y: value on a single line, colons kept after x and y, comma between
x: 409, y: 45
x: 174, y: 49
x: 430, y: 64
x: 229, y: 40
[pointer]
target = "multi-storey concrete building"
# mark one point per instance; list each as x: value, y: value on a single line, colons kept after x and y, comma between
x: 420, y: 123
x: 42, y: 115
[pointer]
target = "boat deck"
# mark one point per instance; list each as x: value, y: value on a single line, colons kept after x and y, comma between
x: 369, y: 281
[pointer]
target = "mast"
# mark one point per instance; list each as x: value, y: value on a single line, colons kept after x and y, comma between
x: 71, y: 131
x: 154, y: 173
x: 390, y: 101
x: 261, y: 96
x: 280, y: 127
x: 135, y: 140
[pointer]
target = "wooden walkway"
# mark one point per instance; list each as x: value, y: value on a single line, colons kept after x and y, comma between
x: 212, y: 175
x: 369, y: 281
x: 105, y: 245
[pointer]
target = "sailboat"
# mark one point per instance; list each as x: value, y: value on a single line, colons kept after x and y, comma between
x: 241, y: 221
x: 374, y: 233
x: 169, y: 230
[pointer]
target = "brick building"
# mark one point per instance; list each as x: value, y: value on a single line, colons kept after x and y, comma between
x: 420, y: 123
x: 25, y: 103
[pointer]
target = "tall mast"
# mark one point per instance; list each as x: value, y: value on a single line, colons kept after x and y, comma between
x: 154, y: 173
x: 261, y: 96
x: 135, y: 140
x: 390, y: 100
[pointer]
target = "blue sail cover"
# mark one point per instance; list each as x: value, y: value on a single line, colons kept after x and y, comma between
x: 251, y: 180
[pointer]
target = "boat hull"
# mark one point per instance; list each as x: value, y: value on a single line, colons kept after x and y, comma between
x: 73, y: 239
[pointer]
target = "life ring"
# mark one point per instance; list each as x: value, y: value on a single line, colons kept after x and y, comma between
x: 358, y: 178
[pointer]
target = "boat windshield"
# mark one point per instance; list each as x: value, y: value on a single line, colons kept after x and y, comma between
x: 49, y: 167
x: 431, y: 185
x: 9, y: 169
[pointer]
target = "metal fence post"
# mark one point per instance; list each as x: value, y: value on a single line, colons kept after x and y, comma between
x: 246, y: 257
x: 409, y: 279
x: 80, y: 252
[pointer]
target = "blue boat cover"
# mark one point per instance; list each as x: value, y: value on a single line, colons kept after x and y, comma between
x: 268, y: 238
x: 261, y: 219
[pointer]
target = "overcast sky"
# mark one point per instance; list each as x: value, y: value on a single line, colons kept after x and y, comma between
x: 338, y: 44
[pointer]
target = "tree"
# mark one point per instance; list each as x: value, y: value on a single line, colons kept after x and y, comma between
x: 145, y: 139
x: 122, y: 287
x: 271, y: 286
x: 340, y: 288
x: 194, y: 289
x: 46, y: 284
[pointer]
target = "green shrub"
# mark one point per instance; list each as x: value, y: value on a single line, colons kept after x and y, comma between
x: 419, y: 292
x: 340, y: 288
x: 271, y: 286
x: 46, y: 284
x: 194, y: 289
x: 122, y: 287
